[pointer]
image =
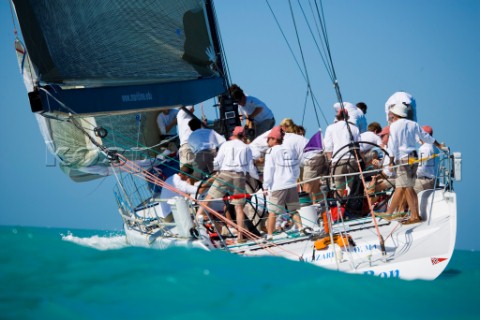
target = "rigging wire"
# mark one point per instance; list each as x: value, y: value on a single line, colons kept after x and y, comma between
x: 286, y: 40
x: 316, y: 104
x: 324, y: 35
x: 353, y: 145
x: 305, y: 106
x: 309, y: 88
x: 323, y: 27
x: 322, y: 54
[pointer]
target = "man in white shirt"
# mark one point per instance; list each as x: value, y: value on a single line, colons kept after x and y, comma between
x: 371, y: 136
x: 427, y: 166
x: 356, y: 116
x: 204, y: 143
x: 402, y: 147
x: 233, y: 162
x: 337, y: 136
x: 185, y: 154
x: 181, y: 182
x: 405, y: 98
x: 282, y: 168
x: 167, y: 122
x: 258, y: 116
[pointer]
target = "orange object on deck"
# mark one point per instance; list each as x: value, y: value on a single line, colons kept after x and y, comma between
x: 340, y: 240
x: 325, y: 222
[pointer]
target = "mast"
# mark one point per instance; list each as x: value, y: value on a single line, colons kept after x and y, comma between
x: 228, y: 109
x: 216, y: 40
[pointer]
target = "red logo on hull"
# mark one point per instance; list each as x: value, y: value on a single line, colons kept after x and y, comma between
x: 437, y: 260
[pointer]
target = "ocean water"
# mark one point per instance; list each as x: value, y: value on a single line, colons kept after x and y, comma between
x: 79, y: 274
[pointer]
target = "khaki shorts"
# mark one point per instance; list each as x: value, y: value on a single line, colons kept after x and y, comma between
x: 344, y: 167
x: 315, y: 167
x: 423, y: 184
x: 406, y: 174
x: 278, y: 199
x: 228, y: 182
x: 185, y: 154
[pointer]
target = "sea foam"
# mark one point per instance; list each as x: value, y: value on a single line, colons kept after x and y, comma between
x: 108, y: 242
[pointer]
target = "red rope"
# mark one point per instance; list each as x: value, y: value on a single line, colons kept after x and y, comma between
x: 370, y: 206
x: 136, y: 170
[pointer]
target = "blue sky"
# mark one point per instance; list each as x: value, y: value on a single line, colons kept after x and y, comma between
x: 428, y: 48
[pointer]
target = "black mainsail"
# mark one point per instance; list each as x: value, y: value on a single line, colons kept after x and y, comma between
x: 114, y: 65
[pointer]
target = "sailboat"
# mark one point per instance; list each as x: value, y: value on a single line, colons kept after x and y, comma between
x: 97, y: 75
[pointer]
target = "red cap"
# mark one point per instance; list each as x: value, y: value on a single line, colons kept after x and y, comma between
x: 385, y: 130
x: 428, y: 129
x: 276, y: 133
x: 238, y: 131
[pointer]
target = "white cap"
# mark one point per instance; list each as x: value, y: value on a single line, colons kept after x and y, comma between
x: 399, y: 97
x: 399, y: 109
x: 346, y: 105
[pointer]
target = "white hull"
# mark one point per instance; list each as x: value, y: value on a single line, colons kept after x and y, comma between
x: 138, y: 239
x: 417, y: 251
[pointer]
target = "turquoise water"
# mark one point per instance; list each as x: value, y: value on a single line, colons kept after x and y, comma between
x: 78, y: 274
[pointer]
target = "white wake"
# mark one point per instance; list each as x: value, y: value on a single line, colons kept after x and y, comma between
x: 108, y: 242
